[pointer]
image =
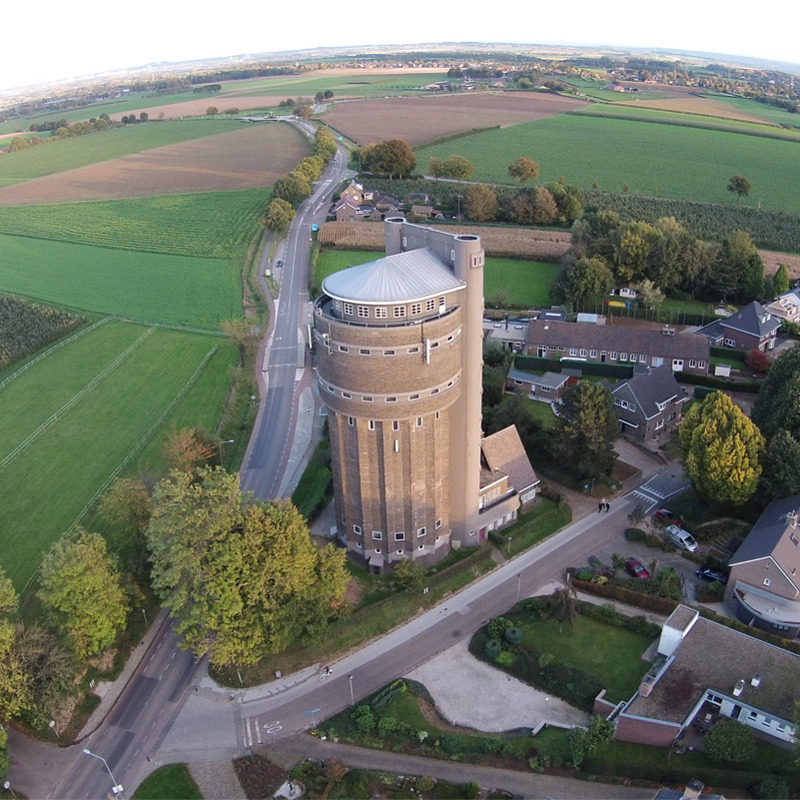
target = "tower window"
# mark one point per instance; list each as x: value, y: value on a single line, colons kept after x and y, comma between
x: 413, y: 397
x: 438, y: 414
x: 391, y: 399
x: 351, y: 421
x: 377, y: 535
x: 437, y: 525
x: 377, y: 550
x: 389, y: 352
x: 346, y: 395
x: 363, y: 312
x: 364, y: 352
x: 395, y: 425
x: 400, y: 552
x: 343, y: 349
x: 366, y: 398
x: 412, y: 350
x: 416, y: 308
x: 348, y: 309
x: 422, y: 531
x: 419, y: 422
x: 430, y: 305
x: 357, y: 529
x: 371, y: 424
x: 380, y: 312
x: 399, y: 311
x: 400, y: 536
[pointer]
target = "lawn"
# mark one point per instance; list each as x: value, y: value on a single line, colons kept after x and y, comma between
x: 525, y: 283
x: 207, y: 224
x: 612, y: 655
x: 170, y: 782
x: 61, y: 155
x: 97, y: 400
x: 541, y: 412
x: 692, y: 164
x: 199, y: 292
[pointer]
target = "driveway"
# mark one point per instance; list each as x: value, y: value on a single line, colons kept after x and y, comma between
x: 473, y: 694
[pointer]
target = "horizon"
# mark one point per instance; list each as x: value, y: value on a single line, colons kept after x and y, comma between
x: 77, y: 45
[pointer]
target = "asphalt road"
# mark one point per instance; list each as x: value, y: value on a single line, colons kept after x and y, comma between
x: 271, y: 441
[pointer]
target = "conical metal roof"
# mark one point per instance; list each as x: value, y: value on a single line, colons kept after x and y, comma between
x: 400, y: 278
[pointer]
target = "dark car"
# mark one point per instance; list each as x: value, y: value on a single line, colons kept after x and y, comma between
x: 667, y: 517
x: 708, y: 574
x: 636, y: 568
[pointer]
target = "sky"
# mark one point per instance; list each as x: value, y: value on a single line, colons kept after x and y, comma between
x: 52, y: 39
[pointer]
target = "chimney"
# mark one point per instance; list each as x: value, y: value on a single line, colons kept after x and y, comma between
x: 755, y: 680
x: 647, y: 684
x: 791, y: 518
x: 693, y: 790
x: 737, y: 690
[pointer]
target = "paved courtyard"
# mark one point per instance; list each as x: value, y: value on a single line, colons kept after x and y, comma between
x: 473, y: 694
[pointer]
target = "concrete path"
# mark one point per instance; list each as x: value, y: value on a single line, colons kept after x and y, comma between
x: 217, y: 780
x: 473, y: 694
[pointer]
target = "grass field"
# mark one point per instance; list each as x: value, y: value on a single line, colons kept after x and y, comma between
x: 777, y: 116
x: 79, y: 151
x: 208, y: 224
x: 170, y: 782
x: 198, y: 292
x: 526, y: 283
x: 95, y: 400
x: 692, y: 164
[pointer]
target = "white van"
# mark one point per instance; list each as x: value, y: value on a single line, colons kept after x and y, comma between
x: 682, y: 538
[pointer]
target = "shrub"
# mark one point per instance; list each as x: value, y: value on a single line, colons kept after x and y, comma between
x: 770, y: 789
x: 635, y: 534
x: 387, y: 726
x: 505, y: 659
x: 425, y: 784
x: 498, y: 626
x: 364, y: 719
x: 492, y: 648
x: 729, y: 741
x: 471, y: 790
x: 513, y: 635
x: 450, y: 744
x: 389, y: 693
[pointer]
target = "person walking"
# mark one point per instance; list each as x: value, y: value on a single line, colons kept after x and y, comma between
x: 602, y: 505
x: 608, y: 505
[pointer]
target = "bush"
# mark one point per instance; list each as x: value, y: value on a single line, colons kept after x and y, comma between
x: 471, y: 790
x: 492, y: 648
x: 450, y: 744
x: 389, y: 693
x: 498, y: 627
x: 513, y: 635
x: 387, y: 726
x: 635, y: 534
x: 364, y: 719
x: 505, y: 659
x: 729, y: 741
x: 770, y: 789
x: 425, y: 784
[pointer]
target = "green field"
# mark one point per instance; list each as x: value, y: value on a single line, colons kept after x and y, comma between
x: 777, y: 116
x: 71, y: 420
x: 64, y: 154
x: 595, y: 89
x: 663, y: 160
x: 209, y: 224
x: 199, y: 292
x: 170, y: 782
x: 526, y: 283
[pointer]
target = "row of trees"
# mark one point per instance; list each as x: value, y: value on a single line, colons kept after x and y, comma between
x: 64, y: 130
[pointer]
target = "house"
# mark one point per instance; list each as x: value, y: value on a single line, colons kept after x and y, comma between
x: 618, y: 344
x: 346, y: 210
x: 548, y: 387
x: 504, y: 459
x: 354, y: 192
x: 511, y: 335
x: 417, y: 199
x: 425, y: 212
x: 751, y: 328
x: 705, y: 671
x: 692, y: 791
x: 786, y: 306
x: 629, y: 292
x: 648, y: 403
x: 764, y: 584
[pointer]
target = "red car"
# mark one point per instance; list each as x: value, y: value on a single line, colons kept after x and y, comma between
x: 667, y: 517
x: 636, y: 568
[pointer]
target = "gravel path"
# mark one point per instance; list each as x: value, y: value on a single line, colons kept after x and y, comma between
x: 217, y: 779
x: 475, y: 695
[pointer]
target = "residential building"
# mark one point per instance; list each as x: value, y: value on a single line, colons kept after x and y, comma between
x: 648, y: 403
x: 346, y: 210
x: 764, y: 584
x: 504, y: 455
x: 705, y: 671
x: 399, y: 360
x: 510, y: 335
x: 547, y: 388
x: 751, y: 328
x: 619, y: 344
x: 786, y: 306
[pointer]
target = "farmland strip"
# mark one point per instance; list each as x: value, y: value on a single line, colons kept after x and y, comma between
x: 53, y: 418
x: 56, y: 346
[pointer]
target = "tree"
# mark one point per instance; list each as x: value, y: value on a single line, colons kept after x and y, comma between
x: 780, y: 468
x: 777, y: 406
x: 740, y: 186
x: 304, y: 112
x: 391, y: 157
x: 231, y: 112
x: 293, y: 187
x: 585, y: 430
x: 651, y: 295
x: 241, y: 333
x: 721, y: 450
x: 524, y: 169
x: 279, y: 216
x: 241, y: 579
x: 312, y: 167
x: 569, y: 201
x: 563, y: 607
x: 143, y: 117
x: 633, y: 242
x: 586, y: 282
x: 15, y: 690
x: 80, y: 588
x: 455, y: 167
x: 730, y: 742
x: 545, y: 209
x: 5, y: 760
x: 757, y: 361
x: 185, y: 450
x: 409, y: 574
x: 324, y: 144
x: 480, y: 203
x: 212, y: 111
x: 126, y: 505
x: 780, y: 281
x: 583, y: 742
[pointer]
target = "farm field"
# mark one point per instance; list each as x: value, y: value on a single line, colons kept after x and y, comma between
x: 249, y: 157
x: 102, y: 146
x: 207, y: 224
x: 692, y: 104
x: 111, y: 387
x: 777, y: 116
x: 420, y: 120
x: 526, y: 284
x: 199, y: 292
x: 693, y: 164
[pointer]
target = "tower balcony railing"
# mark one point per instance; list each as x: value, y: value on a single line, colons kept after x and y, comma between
x: 323, y: 306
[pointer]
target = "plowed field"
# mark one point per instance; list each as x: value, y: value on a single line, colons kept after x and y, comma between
x: 423, y: 119
x: 250, y: 158
x: 689, y: 104
x: 197, y: 108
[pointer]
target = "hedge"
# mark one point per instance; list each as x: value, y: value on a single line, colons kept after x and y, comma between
x: 728, y: 352
x: 537, y: 364
x: 721, y: 384
x: 658, y: 605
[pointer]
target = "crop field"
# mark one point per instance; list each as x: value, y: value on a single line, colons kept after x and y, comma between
x: 423, y: 119
x: 525, y: 284
x: 205, y: 225
x: 596, y: 89
x: 197, y: 106
x: 99, y: 401
x: 249, y: 157
x: 199, y: 292
x: 777, y: 116
x: 692, y: 104
x: 692, y: 164
x: 79, y: 151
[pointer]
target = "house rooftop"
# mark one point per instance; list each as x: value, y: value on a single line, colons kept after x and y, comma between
x: 553, y: 380
x: 651, y: 387
x: 713, y: 656
x: 503, y: 451
x: 400, y: 278
x: 768, y: 531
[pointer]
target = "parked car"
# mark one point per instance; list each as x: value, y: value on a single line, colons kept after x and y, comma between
x: 708, y: 574
x: 682, y: 538
x: 667, y: 517
x: 636, y: 568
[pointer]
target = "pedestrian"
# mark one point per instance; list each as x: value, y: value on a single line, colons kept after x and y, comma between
x: 602, y: 504
x: 608, y: 506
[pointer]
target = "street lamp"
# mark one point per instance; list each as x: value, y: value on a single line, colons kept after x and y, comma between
x: 352, y: 698
x: 7, y: 787
x: 519, y: 581
x: 222, y: 442
x: 116, y: 788
x: 52, y: 726
x: 508, y: 549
